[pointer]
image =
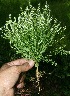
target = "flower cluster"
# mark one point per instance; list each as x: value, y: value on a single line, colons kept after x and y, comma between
x: 34, y: 33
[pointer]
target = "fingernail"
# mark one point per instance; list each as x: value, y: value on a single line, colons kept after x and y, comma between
x: 31, y: 63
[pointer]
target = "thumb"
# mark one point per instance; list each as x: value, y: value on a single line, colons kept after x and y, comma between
x: 25, y: 67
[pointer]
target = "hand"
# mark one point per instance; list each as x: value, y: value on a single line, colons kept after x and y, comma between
x: 9, y: 75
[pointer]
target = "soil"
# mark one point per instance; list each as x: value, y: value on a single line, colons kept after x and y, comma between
x: 49, y: 86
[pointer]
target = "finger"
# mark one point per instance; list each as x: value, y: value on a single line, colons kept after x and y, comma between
x: 17, y: 62
x: 4, y: 67
x: 20, y: 85
x: 22, y: 77
x: 9, y: 77
x: 25, y: 67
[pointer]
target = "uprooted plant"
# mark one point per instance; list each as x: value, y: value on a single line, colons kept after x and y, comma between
x: 33, y: 33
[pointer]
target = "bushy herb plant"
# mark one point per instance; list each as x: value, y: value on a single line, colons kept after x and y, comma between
x: 34, y: 33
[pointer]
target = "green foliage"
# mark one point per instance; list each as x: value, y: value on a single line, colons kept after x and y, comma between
x: 34, y: 33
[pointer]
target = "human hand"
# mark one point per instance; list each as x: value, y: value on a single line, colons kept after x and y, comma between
x: 9, y: 75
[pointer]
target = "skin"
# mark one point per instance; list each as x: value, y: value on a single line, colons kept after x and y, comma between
x: 9, y: 75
